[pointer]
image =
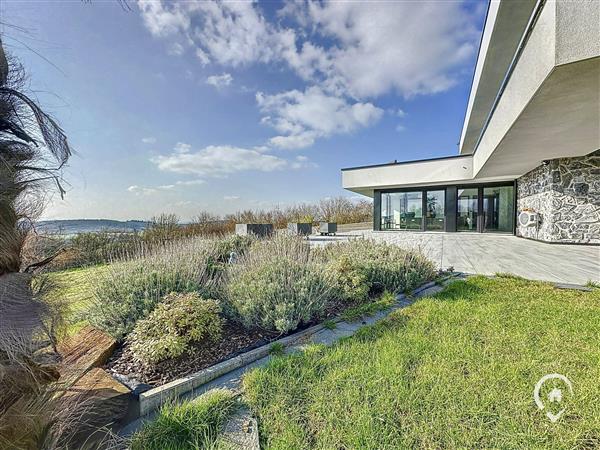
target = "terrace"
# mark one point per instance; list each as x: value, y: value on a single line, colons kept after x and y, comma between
x: 487, y: 254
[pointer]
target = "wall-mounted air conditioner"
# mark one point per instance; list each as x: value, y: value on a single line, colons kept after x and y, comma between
x: 528, y: 219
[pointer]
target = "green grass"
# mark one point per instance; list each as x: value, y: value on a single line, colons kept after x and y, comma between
x: 329, y: 324
x: 189, y: 425
x: 456, y: 370
x: 74, y: 286
x: 369, y: 308
x: 277, y: 349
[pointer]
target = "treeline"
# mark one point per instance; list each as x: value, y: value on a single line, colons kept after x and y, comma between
x: 103, y: 246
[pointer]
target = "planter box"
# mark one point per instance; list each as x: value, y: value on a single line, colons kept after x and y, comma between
x: 302, y: 229
x: 257, y: 229
x: 327, y: 228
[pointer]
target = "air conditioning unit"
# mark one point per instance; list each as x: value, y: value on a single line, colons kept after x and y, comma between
x: 528, y: 219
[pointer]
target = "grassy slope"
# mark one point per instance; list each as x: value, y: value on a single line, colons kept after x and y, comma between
x: 456, y: 370
x: 74, y: 287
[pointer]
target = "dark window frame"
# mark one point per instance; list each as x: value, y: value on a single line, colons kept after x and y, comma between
x: 447, y: 227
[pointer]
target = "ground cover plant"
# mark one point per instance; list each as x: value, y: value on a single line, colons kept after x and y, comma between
x: 191, y: 425
x: 173, y: 325
x: 454, y: 371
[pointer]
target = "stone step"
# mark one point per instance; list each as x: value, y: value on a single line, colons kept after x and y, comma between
x: 83, y: 351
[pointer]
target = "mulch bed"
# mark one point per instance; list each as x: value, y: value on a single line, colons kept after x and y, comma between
x: 234, y: 340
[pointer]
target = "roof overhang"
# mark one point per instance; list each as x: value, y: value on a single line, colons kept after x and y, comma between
x: 504, y: 26
x: 429, y: 172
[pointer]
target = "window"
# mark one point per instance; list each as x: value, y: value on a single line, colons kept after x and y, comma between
x: 435, y: 216
x: 401, y: 210
x: 498, y: 208
x: 466, y: 214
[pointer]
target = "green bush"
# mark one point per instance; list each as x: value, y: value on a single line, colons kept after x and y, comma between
x: 362, y: 267
x: 277, y: 285
x: 175, y: 323
x: 129, y: 290
x: 189, y: 425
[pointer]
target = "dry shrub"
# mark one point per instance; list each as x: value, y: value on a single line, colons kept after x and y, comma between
x: 130, y: 288
x: 277, y: 285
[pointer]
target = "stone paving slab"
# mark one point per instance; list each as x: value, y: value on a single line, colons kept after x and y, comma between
x: 487, y: 254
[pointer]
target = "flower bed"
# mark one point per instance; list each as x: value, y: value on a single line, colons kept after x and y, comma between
x: 199, y: 304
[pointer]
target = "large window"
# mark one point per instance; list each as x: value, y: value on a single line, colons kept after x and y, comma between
x: 466, y: 214
x: 475, y: 208
x: 401, y: 210
x: 435, y: 218
x: 498, y: 208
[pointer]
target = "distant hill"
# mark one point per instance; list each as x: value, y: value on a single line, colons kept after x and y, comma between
x: 76, y: 226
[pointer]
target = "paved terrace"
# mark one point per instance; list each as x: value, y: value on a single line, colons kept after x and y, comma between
x: 491, y: 253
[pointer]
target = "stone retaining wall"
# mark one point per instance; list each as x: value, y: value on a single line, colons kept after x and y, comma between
x: 565, y: 192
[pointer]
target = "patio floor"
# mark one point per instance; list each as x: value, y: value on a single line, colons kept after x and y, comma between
x: 491, y: 253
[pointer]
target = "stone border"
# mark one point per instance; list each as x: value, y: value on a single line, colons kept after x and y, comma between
x: 153, y: 399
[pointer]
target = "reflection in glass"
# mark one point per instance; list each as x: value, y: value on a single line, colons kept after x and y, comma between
x: 401, y: 210
x: 466, y: 217
x: 435, y: 215
x: 498, y: 207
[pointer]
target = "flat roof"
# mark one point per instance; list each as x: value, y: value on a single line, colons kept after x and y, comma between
x: 398, y: 163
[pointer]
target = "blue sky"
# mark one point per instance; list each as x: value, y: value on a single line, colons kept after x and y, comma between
x: 183, y: 107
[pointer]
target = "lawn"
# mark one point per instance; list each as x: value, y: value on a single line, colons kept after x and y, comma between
x: 74, y: 287
x: 456, y: 370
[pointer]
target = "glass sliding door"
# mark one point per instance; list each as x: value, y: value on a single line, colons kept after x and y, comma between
x: 466, y: 214
x: 435, y: 210
x: 401, y: 210
x: 498, y: 209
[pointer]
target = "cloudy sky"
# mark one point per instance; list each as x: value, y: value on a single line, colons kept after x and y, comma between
x: 182, y: 107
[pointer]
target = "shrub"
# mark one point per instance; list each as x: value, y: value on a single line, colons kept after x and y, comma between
x: 128, y: 290
x: 194, y: 424
x: 363, y: 267
x: 175, y: 323
x: 277, y: 285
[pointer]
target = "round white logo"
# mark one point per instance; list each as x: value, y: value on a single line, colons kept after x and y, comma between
x: 554, y: 397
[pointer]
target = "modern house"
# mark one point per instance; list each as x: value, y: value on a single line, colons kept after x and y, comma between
x: 529, y: 158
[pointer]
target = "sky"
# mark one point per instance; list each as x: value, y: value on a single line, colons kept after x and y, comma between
x: 182, y: 107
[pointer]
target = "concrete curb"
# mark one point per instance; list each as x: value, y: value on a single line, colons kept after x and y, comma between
x: 153, y: 399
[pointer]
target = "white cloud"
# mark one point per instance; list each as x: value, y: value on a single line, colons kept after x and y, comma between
x: 218, y: 81
x: 149, y: 140
x: 231, y: 198
x: 414, y: 48
x: 163, y: 21
x: 176, y: 49
x: 356, y: 49
x: 190, y: 183
x: 219, y: 161
x: 302, y: 117
x: 182, y: 147
x: 302, y: 162
x: 140, y: 190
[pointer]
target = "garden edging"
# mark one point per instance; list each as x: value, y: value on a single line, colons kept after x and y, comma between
x: 154, y: 398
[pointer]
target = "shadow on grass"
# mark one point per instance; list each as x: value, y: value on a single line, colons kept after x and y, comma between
x: 461, y: 290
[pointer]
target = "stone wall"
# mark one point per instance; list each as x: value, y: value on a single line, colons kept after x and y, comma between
x: 565, y: 192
